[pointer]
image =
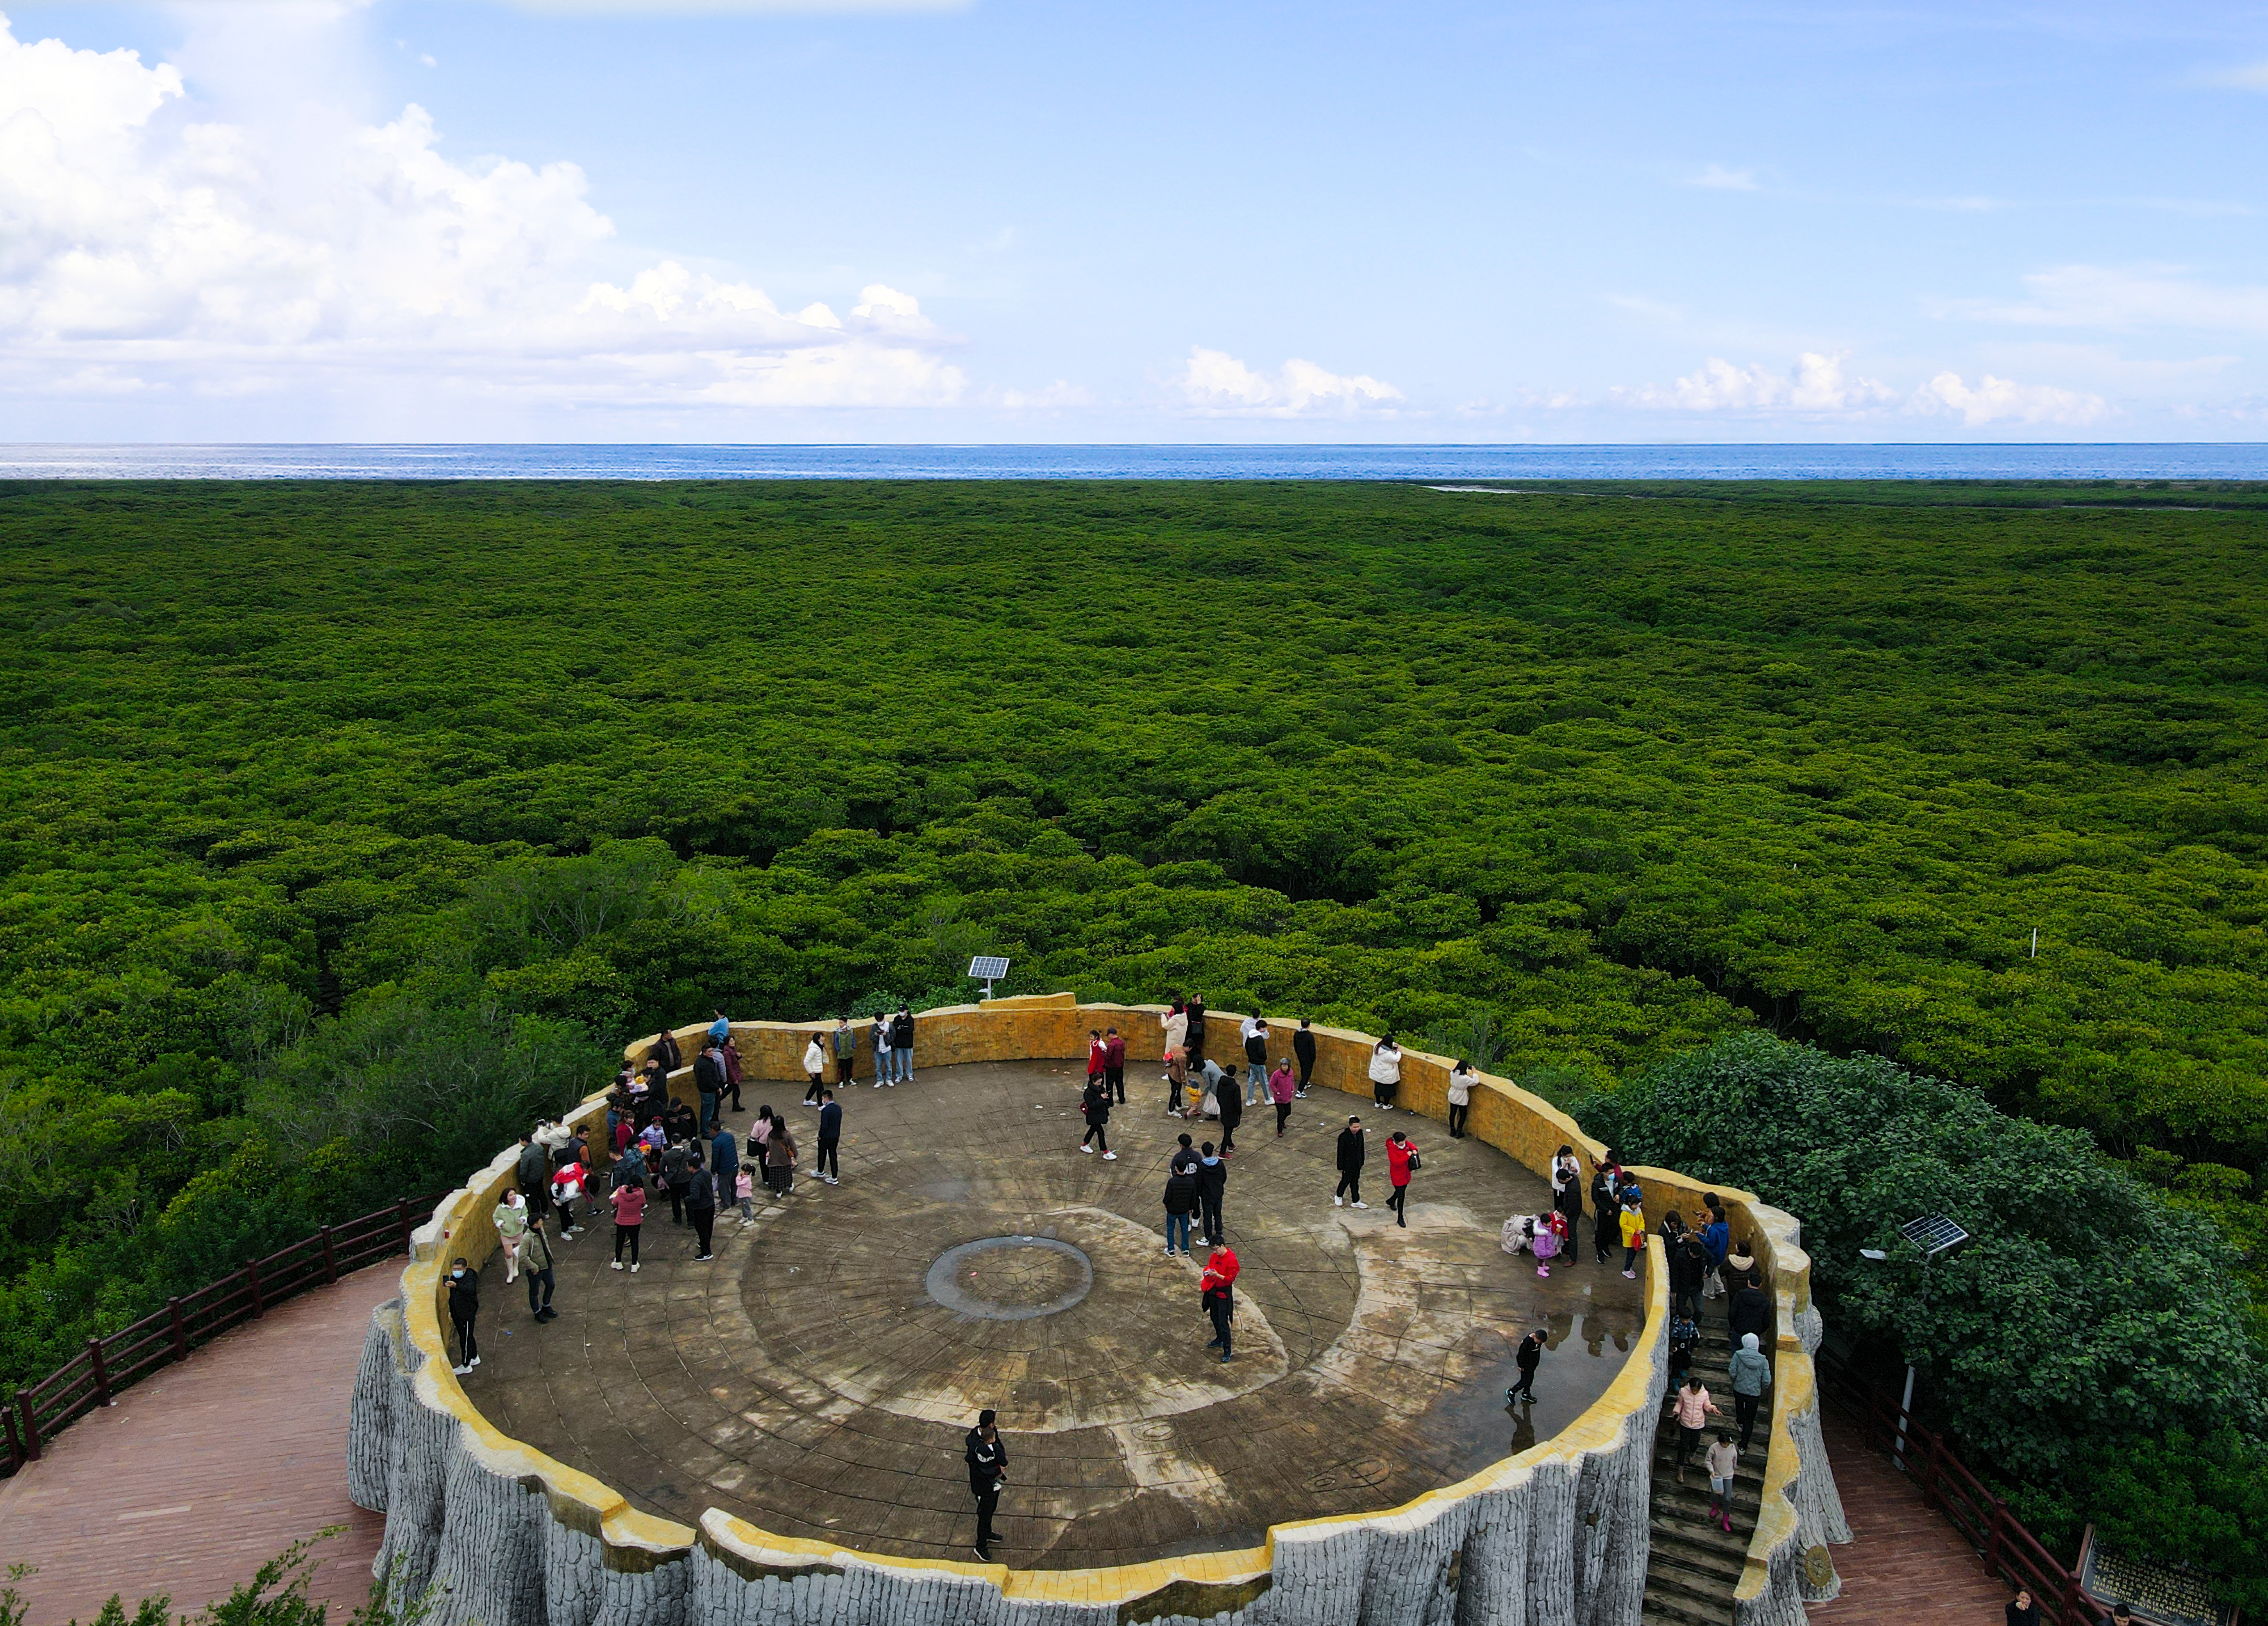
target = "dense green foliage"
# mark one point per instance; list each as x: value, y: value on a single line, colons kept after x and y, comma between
x: 343, y: 826
x: 2082, y: 1345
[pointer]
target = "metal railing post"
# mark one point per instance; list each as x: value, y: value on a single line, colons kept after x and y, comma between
x: 330, y: 1260
x: 251, y: 1276
x: 180, y: 1329
x: 101, y: 1371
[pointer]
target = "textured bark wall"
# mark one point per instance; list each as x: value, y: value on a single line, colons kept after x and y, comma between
x: 1555, y: 1537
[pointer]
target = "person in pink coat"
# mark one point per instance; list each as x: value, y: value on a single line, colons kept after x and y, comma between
x: 1283, y: 1085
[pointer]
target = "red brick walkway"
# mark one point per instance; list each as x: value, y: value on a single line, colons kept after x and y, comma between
x: 1906, y: 1565
x: 202, y: 1472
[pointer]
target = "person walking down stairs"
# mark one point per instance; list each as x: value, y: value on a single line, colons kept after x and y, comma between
x: 1698, y: 1535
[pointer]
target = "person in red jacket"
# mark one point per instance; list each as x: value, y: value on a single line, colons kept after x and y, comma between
x: 1094, y: 1055
x: 1400, y: 1155
x: 1114, y: 1064
x: 1215, y: 1292
x: 629, y: 1214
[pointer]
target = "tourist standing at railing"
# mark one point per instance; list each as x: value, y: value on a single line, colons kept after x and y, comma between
x: 902, y: 1046
x: 814, y: 1065
x: 709, y: 1079
x: 1282, y: 1089
x: 1606, y: 1208
x: 464, y: 1307
x: 1385, y: 1072
x: 1751, y: 1377
x: 721, y: 1029
x: 828, y: 1165
x: 1350, y: 1159
x: 535, y: 1266
x: 509, y: 1219
x: 731, y: 1053
x: 1176, y: 1024
x: 629, y: 1216
x: 1196, y: 1030
x: 533, y: 1171
x: 1114, y: 1064
x: 2023, y: 1611
x: 1716, y: 1237
x: 665, y: 1052
x: 700, y: 1209
x: 878, y: 1039
x: 1633, y: 1228
x: 1212, y: 1190
x: 1303, y: 1046
x: 1461, y: 1080
x: 1255, y: 1060
x: 845, y: 1040
x: 1567, y: 1191
x: 1097, y: 1067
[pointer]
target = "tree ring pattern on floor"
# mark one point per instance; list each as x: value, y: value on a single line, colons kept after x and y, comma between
x: 1010, y: 1278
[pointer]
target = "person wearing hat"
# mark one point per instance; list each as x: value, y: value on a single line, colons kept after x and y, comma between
x: 988, y: 1472
x: 1528, y: 1357
x: 1283, y: 1090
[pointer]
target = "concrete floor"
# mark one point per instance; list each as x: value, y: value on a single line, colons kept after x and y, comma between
x: 806, y: 1379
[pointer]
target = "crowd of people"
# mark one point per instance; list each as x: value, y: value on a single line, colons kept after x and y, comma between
x: 660, y: 1148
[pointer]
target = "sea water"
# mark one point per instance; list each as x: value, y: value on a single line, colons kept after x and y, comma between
x: 1418, y: 463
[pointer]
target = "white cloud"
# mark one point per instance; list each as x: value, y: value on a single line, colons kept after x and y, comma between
x: 146, y: 247
x: 1717, y: 178
x: 2000, y: 401
x: 2247, y: 76
x: 1216, y: 384
x: 2128, y: 299
x: 1815, y: 383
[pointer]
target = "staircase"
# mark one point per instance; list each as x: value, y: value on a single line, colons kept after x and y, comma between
x: 1693, y: 1566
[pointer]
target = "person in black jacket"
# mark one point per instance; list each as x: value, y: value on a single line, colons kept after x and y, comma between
x: 1751, y: 1311
x: 988, y: 1472
x: 464, y: 1304
x: 1689, y: 1267
x: 1212, y: 1185
x: 1350, y: 1155
x: 1528, y: 1357
x: 1095, y: 1106
x: 709, y: 1079
x: 700, y: 1200
x: 665, y: 1051
x: 533, y: 1172
x: 1303, y: 1050
x: 901, y: 1045
x: 1183, y: 1194
x: 1195, y: 1043
x: 1607, y: 1208
x: 1232, y: 1111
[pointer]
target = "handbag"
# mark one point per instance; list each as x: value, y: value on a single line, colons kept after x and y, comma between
x: 1415, y: 1162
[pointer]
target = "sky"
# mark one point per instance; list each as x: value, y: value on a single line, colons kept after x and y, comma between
x: 1007, y: 221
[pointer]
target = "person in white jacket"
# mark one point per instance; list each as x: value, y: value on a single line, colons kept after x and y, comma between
x: 814, y: 1062
x: 1461, y: 1080
x: 1385, y: 1072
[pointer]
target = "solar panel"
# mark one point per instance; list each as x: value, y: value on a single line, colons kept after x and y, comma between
x: 988, y: 968
x: 1933, y: 1233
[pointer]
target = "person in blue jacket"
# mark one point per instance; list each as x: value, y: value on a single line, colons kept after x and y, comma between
x: 724, y: 1165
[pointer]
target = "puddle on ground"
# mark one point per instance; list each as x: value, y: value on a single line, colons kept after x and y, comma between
x: 1482, y: 1430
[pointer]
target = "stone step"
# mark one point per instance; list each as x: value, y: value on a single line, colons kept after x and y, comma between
x: 1692, y: 1534
x: 1699, y: 1566
x: 1678, y: 1607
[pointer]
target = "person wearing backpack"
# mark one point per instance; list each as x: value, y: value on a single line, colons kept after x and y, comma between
x: 677, y: 1175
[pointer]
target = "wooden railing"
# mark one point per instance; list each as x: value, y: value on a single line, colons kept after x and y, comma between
x: 1947, y: 1484
x: 107, y: 1365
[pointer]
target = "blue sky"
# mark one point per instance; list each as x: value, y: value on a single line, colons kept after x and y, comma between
x: 997, y: 221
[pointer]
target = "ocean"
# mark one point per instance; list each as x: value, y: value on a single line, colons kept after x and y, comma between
x: 2105, y: 461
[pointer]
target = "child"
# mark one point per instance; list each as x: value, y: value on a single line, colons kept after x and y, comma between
x: 1633, y: 1230
x: 1546, y: 1246
x: 566, y: 1186
x: 744, y: 1188
x: 1723, y: 1458
x: 1684, y: 1338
